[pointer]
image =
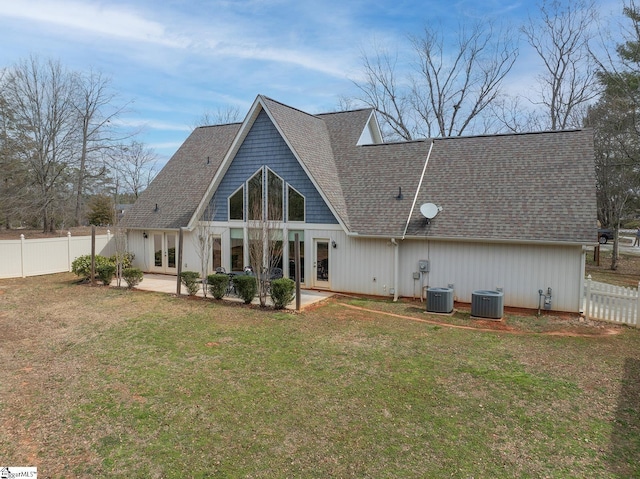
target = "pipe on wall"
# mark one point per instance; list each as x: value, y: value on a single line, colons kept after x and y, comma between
x: 396, y: 266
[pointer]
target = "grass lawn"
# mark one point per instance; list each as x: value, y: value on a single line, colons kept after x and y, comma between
x: 627, y: 274
x: 99, y: 382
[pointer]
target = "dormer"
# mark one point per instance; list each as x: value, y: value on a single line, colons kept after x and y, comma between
x: 371, y: 135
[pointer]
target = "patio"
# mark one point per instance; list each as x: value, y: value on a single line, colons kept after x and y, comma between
x: 167, y: 284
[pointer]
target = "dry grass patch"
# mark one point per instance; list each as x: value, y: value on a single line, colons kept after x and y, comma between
x: 102, y: 382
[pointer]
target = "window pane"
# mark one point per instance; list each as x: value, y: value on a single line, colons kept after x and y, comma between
x: 157, y: 248
x: 236, y: 205
x: 322, y: 258
x: 274, y: 188
x: 292, y: 255
x: 217, y: 253
x: 237, y: 249
x: 296, y: 205
x: 255, y: 197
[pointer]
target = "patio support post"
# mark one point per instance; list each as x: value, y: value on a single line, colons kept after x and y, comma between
x: 178, y: 283
x: 297, y: 266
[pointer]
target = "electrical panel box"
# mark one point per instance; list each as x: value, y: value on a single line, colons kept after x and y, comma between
x: 423, y: 266
x: 416, y: 275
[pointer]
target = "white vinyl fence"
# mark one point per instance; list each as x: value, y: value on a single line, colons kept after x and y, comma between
x: 33, y: 257
x: 607, y: 302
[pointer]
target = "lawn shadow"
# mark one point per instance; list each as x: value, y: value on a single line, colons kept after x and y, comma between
x: 625, y: 437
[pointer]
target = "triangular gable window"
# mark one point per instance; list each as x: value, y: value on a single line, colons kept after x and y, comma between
x: 236, y: 205
x: 275, y: 186
x: 255, y: 196
x: 295, y: 203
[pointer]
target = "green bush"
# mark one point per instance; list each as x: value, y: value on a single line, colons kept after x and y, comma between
x: 218, y: 284
x: 126, y: 259
x: 106, y: 272
x: 246, y: 287
x: 81, y: 266
x: 282, y: 292
x: 191, y: 279
x: 133, y: 276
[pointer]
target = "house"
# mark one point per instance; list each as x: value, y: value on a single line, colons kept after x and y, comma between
x: 515, y: 212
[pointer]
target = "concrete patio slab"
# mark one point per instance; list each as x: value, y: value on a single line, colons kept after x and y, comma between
x: 161, y: 283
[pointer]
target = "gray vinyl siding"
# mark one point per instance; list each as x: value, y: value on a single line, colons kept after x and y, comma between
x: 263, y: 145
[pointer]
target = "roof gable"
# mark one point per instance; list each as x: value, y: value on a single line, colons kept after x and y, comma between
x: 171, y: 198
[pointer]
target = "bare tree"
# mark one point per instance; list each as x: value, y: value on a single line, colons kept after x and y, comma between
x: 617, y: 150
x: 135, y: 166
x: 203, y: 241
x: 615, y: 119
x: 265, y: 244
x: 40, y: 95
x: 452, y: 91
x: 513, y: 114
x: 386, y: 93
x: 13, y: 172
x: 221, y: 116
x: 449, y: 87
x: 560, y: 37
x: 96, y: 109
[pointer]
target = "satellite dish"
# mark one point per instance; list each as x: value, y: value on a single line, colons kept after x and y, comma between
x: 429, y: 210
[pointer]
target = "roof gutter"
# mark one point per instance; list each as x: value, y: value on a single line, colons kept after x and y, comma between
x: 415, y: 198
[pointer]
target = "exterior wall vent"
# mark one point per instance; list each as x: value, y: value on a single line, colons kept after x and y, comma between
x: 439, y: 300
x: 487, y: 304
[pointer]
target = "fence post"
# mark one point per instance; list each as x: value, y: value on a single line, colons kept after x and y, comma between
x: 22, y: 256
x: 69, y: 250
x: 587, y: 307
x: 636, y: 316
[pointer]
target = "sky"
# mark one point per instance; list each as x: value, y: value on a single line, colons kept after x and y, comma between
x: 176, y: 59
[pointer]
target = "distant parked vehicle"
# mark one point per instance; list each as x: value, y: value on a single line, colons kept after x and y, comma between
x: 604, y: 235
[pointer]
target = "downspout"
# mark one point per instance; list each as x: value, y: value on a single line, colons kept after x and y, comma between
x: 396, y: 268
x: 582, y: 275
x: 415, y: 198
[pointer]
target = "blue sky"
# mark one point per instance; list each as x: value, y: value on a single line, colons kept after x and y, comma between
x: 177, y: 59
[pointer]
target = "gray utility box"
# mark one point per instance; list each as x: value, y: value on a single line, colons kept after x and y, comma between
x: 487, y: 304
x: 439, y: 300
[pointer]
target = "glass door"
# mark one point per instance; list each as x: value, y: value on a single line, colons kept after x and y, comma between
x: 321, y: 277
x: 165, y: 253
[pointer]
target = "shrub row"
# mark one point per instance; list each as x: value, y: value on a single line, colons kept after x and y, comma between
x: 246, y: 286
x: 106, y: 268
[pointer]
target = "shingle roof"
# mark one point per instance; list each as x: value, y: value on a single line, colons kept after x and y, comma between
x: 181, y: 184
x: 522, y: 187
x: 309, y: 137
x: 529, y: 187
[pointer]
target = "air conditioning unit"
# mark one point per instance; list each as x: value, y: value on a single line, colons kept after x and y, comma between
x: 487, y: 304
x: 439, y: 300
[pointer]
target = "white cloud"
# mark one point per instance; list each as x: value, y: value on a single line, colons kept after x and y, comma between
x: 112, y: 21
x: 152, y: 124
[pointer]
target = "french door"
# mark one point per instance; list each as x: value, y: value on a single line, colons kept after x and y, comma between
x: 164, y: 253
